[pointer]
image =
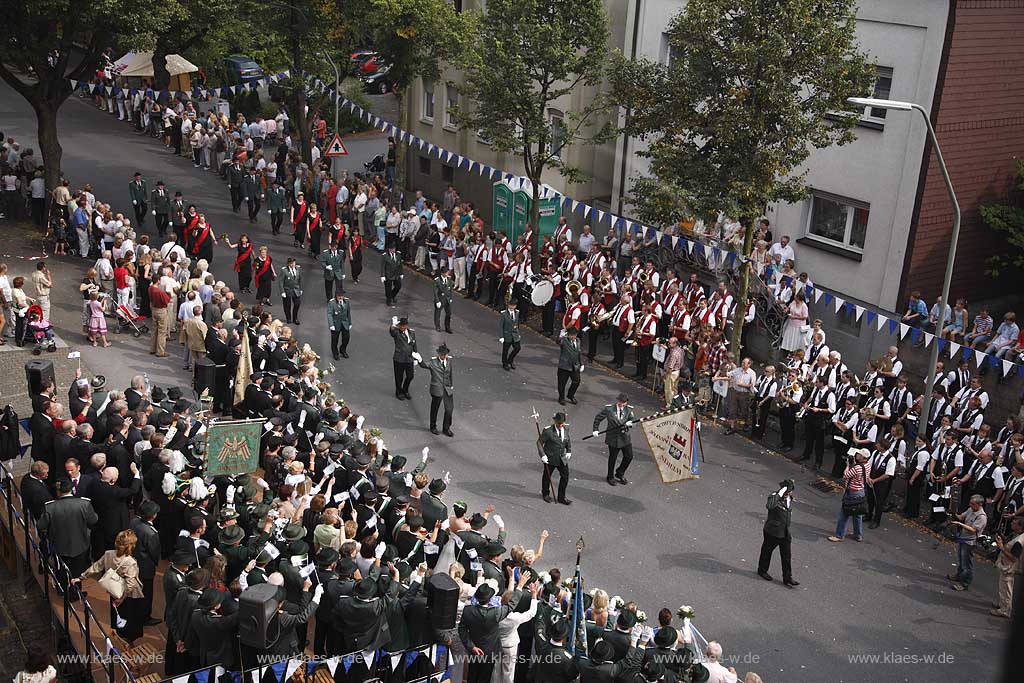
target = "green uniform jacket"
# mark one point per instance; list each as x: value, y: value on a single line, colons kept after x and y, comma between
x: 162, y: 205
x: 443, y: 291
x: 339, y: 314
x: 392, y: 268
x: 277, y: 200
x: 403, y: 348
x: 617, y: 434
x: 440, y: 376
x: 138, y: 192
x: 291, y: 283
x: 236, y: 174
x: 251, y: 187
x: 779, y: 516
x: 569, y: 355
x: 555, y: 448
x: 333, y: 263
x: 510, y: 327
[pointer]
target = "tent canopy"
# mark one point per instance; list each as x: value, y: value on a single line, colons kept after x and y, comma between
x: 140, y: 65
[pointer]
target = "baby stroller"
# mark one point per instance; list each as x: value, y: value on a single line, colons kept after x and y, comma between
x: 127, y: 319
x: 40, y: 330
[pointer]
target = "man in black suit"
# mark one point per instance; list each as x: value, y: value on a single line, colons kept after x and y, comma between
x: 405, y: 356
x: 620, y: 635
x: 569, y: 367
x: 62, y: 442
x: 111, y: 503
x: 777, y: 535
x: 601, y: 667
x: 46, y: 393
x: 82, y: 446
x: 44, y: 433
x: 554, y: 664
x: 66, y: 523
x: 83, y: 484
x: 34, y: 491
x: 147, y: 555
x: 135, y: 394
x: 478, y: 629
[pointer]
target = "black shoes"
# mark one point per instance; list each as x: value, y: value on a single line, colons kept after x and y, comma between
x: 433, y: 430
x: 344, y: 354
x: 407, y: 396
x: 565, y: 501
x: 611, y: 482
x: 791, y: 583
x: 448, y: 330
x: 549, y: 499
x: 400, y: 396
x: 765, y: 575
x: 573, y: 401
x: 449, y: 432
x: 561, y: 401
x: 336, y: 356
x: 621, y: 479
x: 511, y: 365
x: 506, y: 368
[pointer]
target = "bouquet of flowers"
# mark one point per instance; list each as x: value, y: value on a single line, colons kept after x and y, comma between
x: 641, y: 616
x: 685, y: 612
x: 376, y: 432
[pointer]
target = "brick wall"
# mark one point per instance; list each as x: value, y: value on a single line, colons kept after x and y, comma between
x: 980, y: 126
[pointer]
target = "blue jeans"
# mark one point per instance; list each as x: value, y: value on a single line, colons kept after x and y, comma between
x: 381, y: 237
x: 965, y: 562
x: 858, y: 520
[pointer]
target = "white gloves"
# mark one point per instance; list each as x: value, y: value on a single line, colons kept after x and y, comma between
x: 499, y: 521
x: 394, y: 320
x: 417, y: 357
x: 597, y: 433
x: 154, y: 212
x: 332, y: 328
x: 402, y: 276
x: 426, y: 452
x: 438, y: 304
x: 359, y: 421
x: 581, y: 368
x: 283, y: 295
x: 447, y: 477
x: 568, y: 455
x: 134, y: 202
x: 318, y: 593
x: 501, y: 340
x: 379, y: 550
x: 544, y: 459
x: 629, y: 423
x: 382, y: 278
x: 262, y: 484
x: 229, y: 495
x: 268, y: 210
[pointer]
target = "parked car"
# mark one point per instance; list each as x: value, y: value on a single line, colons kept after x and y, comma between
x: 379, y: 82
x: 241, y: 69
x: 358, y: 58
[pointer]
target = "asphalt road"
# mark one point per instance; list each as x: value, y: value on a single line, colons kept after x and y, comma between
x: 694, y: 543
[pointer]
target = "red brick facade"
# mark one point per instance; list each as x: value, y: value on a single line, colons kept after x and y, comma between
x: 980, y: 126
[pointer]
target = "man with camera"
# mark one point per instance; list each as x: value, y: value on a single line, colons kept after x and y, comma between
x: 1010, y: 563
x: 777, y: 534
x: 967, y: 525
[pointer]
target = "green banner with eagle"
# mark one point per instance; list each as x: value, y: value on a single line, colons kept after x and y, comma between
x: 233, y: 447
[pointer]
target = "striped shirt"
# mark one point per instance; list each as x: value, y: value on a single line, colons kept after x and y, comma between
x: 853, y: 478
x: 983, y: 324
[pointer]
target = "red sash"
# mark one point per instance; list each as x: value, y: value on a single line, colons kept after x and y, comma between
x: 202, y: 238
x: 298, y: 217
x: 193, y: 222
x: 262, y: 271
x: 242, y: 258
x: 314, y: 224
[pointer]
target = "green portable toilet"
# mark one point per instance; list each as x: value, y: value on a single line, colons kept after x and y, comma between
x: 502, y: 207
x: 512, y: 209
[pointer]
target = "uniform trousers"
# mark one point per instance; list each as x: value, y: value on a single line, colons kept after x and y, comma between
x: 627, y: 457
x: 912, y: 505
x: 877, y: 496
x: 548, y: 318
x: 403, y: 377
x: 292, y: 304
x: 814, y: 439
x: 276, y: 219
x: 344, y: 335
x: 563, y: 480
x: 618, y: 347
x: 447, y: 309
x: 391, y: 289
x: 161, y: 224
x: 759, y: 410
x: 564, y: 377
x: 435, y: 405
x: 158, y: 339
x: 509, y: 351
x: 768, y: 546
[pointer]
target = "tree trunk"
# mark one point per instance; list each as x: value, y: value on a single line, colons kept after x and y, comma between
x: 161, y: 76
x: 741, y: 296
x: 400, y: 151
x: 49, y: 143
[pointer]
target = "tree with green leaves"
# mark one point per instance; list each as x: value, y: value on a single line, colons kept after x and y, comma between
x: 752, y: 87
x: 48, y: 42
x: 527, y: 56
x: 1008, y: 220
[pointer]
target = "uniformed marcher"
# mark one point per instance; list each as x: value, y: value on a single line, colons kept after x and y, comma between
x: 138, y: 192
x: 236, y: 176
x: 569, y: 366
x: 620, y: 419
x: 511, y: 338
x: 442, y: 389
x: 161, y: 202
x: 252, y: 192
x: 557, y: 451
x: 179, y: 217
x: 66, y: 523
x: 277, y: 204
x: 215, y: 633
x: 554, y: 663
x: 405, y: 355
x: 443, y: 300
x: 291, y: 291
x: 777, y: 534
x: 333, y: 263
x: 339, y: 320
x: 391, y: 275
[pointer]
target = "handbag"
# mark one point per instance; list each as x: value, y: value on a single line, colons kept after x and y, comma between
x: 113, y: 583
x: 856, y: 508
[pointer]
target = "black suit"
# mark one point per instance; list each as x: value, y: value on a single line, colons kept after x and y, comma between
x: 147, y: 555
x: 777, y: 535
x: 35, y: 494
x: 554, y: 664
x: 43, y: 435
x: 111, y: 503
x: 133, y: 398
x: 479, y: 628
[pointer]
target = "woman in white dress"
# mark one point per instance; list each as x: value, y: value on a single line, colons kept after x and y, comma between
x: 792, y: 332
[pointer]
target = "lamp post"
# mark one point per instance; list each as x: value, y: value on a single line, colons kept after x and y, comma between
x: 951, y: 256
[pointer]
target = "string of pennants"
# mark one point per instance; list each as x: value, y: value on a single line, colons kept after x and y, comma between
x: 339, y: 667
x: 714, y: 255
x: 196, y: 93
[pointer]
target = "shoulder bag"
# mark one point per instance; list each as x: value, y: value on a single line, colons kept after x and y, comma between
x: 858, y: 507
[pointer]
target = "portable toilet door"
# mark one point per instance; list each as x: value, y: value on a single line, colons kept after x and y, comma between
x: 501, y: 215
x: 521, y: 206
x: 550, y: 212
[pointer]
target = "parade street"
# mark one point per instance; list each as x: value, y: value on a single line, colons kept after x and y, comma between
x: 860, y: 609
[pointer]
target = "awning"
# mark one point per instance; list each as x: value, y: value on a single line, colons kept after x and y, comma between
x: 140, y: 65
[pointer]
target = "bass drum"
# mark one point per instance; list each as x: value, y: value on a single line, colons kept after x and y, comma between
x: 539, y: 289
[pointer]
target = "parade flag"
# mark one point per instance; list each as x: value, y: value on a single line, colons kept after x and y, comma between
x: 673, y: 441
x: 577, y: 643
x: 233, y: 447
x: 243, y: 371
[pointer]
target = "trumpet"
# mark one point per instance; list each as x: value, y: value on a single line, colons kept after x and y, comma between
x: 785, y: 393
x: 598, y: 319
x: 572, y: 292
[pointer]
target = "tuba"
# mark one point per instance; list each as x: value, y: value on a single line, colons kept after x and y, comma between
x: 884, y: 363
x: 572, y: 292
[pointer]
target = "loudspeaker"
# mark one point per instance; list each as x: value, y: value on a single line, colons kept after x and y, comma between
x: 257, y: 606
x: 205, y: 376
x: 38, y: 372
x: 442, y: 601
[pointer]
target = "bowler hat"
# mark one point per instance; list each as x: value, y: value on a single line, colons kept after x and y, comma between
x: 787, y: 484
x: 365, y: 589
x: 403, y: 320
x: 602, y: 652
x: 665, y: 637
x: 560, y: 629
x: 559, y: 417
x: 183, y: 557
x: 326, y: 557
x: 622, y: 397
x: 442, y: 350
x: 231, y: 535
x: 626, y: 620
x: 484, y: 593
x: 437, y: 486
x: 210, y: 598
x: 493, y: 549
x: 477, y: 521
x: 294, y: 532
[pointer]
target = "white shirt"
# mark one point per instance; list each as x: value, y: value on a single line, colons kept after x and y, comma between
x: 780, y: 254
x: 720, y: 674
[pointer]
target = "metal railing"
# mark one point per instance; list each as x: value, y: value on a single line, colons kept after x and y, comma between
x: 31, y: 552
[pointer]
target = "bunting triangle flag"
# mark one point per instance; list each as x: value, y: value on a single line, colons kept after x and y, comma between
x: 232, y: 89
x: 203, y: 676
x: 368, y: 656
x: 721, y: 257
x: 904, y: 328
x: 928, y: 337
x: 395, y: 661
x: 828, y: 298
x: 915, y: 334
x: 181, y: 679
x: 600, y: 215
x: 332, y: 664
x: 871, y: 317
x: 817, y: 295
x: 942, y: 344
x: 839, y: 303
x: 689, y: 246
x: 893, y: 324
x: 979, y: 358
x: 272, y: 674
x: 1006, y: 366
x: 110, y: 90
x: 733, y: 256
x: 293, y: 665
x: 675, y: 241
x: 965, y: 353
x: 575, y: 204
x: 954, y: 348
x: 880, y: 323
x: 74, y: 84
x: 430, y: 148
x: 860, y: 311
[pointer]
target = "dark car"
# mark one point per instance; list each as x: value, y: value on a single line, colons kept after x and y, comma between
x: 241, y: 70
x: 379, y: 81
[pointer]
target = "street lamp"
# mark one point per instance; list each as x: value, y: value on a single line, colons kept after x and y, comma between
x: 950, y: 258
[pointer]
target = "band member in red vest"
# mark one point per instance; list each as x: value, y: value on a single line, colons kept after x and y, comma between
x: 264, y: 274
x: 646, y: 331
x: 299, y: 219
x: 200, y: 241
x: 243, y: 261
x: 623, y: 319
x: 495, y: 270
x: 314, y: 228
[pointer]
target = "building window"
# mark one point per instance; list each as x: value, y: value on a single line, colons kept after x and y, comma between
x: 557, y: 132
x: 428, y: 100
x: 838, y: 221
x: 447, y: 173
x: 883, y: 89
x: 667, y: 54
x: 451, y: 101
x: 425, y: 165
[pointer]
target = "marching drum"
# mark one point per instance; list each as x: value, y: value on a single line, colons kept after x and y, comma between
x: 539, y: 289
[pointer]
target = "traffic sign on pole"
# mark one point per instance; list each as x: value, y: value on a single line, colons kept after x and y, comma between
x: 336, y: 148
